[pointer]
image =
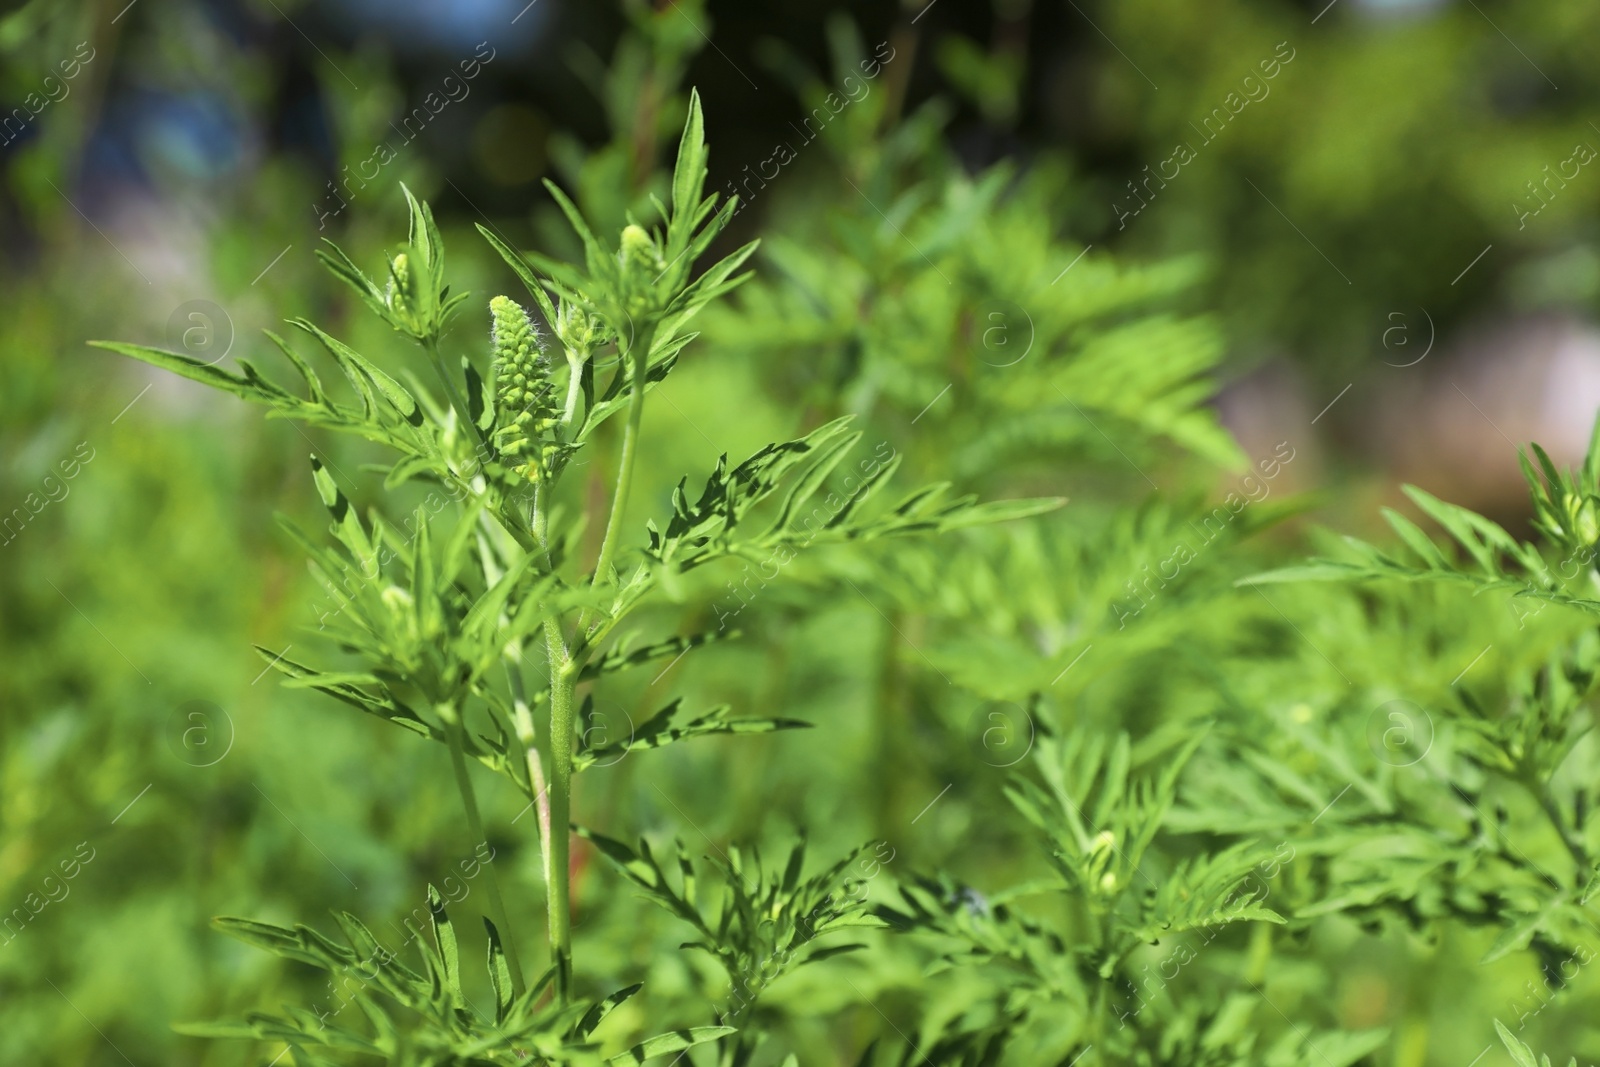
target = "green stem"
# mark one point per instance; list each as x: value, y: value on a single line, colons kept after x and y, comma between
x: 557, y: 863
x: 1579, y: 854
x: 1260, y: 953
x: 569, y: 411
x: 431, y: 345
x: 555, y: 806
x: 469, y: 800
x: 522, y: 718
x: 639, y: 359
x: 539, y: 519
x: 556, y: 856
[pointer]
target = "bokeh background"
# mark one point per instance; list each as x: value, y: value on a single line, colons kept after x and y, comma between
x: 1387, y: 250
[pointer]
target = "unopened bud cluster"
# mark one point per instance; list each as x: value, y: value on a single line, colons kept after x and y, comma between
x: 1102, y: 849
x: 642, y: 263
x: 524, y: 412
x: 401, y: 295
x: 1575, y: 520
x: 579, y: 331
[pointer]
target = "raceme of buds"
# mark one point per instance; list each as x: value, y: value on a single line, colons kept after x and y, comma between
x: 523, y: 391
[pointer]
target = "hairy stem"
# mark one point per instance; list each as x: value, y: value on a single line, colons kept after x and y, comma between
x: 563, y: 671
x: 523, y: 720
x: 469, y: 800
x: 639, y: 360
x: 554, y: 799
x: 556, y: 862
x: 569, y: 410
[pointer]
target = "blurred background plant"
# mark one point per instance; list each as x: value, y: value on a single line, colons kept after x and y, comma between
x: 1377, y: 263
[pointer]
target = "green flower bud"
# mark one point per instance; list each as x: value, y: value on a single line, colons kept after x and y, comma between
x: 523, y: 407
x: 402, y: 295
x: 1101, y: 852
x: 1586, y: 522
x: 578, y: 332
x: 397, y: 600
x: 637, y: 246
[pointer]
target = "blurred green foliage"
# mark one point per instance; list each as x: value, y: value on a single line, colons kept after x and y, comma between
x: 961, y: 315
x: 1400, y: 141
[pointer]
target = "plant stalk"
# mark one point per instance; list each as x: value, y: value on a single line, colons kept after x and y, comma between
x: 1574, y: 847
x: 463, y: 413
x: 554, y: 798
x: 569, y: 410
x: 639, y: 358
x: 469, y: 800
x: 557, y: 863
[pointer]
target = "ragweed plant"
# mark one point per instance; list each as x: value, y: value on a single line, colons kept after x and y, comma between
x: 1072, y: 969
x: 1475, y: 814
x: 766, y: 924
x: 1520, y: 732
x: 438, y: 610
